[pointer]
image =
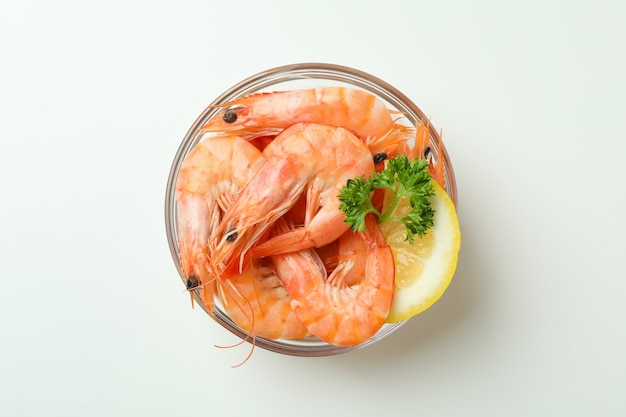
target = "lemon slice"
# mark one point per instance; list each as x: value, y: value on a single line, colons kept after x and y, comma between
x: 425, y: 268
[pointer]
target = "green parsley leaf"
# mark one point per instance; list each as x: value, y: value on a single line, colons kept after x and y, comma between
x: 405, y: 179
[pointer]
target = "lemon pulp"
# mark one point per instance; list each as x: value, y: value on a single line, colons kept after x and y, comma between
x: 425, y: 268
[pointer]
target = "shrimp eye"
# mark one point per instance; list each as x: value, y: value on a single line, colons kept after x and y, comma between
x: 380, y: 157
x: 232, y: 237
x: 426, y: 152
x: 229, y: 116
x: 192, y: 282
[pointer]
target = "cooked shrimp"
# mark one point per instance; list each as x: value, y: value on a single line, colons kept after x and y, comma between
x: 209, y: 179
x: 258, y: 303
x: 312, y: 159
x: 267, y: 114
x: 437, y: 170
x: 351, y: 304
x: 422, y: 149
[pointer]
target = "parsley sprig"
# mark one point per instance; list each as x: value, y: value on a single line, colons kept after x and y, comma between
x: 403, y: 178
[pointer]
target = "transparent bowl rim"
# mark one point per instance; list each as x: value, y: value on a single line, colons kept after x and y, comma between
x: 261, y: 82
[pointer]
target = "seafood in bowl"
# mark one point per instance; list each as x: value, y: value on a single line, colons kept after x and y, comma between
x: 276, y: 203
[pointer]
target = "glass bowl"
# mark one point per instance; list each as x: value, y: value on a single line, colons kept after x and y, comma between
x: 292, y: 77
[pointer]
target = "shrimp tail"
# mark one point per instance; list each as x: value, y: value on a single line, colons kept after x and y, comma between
x: 292, y: 241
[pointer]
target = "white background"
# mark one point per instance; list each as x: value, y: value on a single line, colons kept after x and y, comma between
x: 95, y: 99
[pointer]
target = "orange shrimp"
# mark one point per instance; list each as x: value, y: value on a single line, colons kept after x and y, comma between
x: 352, y: 303
x: 437, y: 171
x: 267, y: 114
x: 208, y: 182
x: 258, y: 303
x: 422, y: 149
x: 312, y: 159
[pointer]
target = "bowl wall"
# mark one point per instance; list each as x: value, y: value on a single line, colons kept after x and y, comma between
x: 292, y: 77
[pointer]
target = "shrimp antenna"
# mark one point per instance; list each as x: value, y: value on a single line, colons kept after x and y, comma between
x: 228, y: 287
x: 247, y: 358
